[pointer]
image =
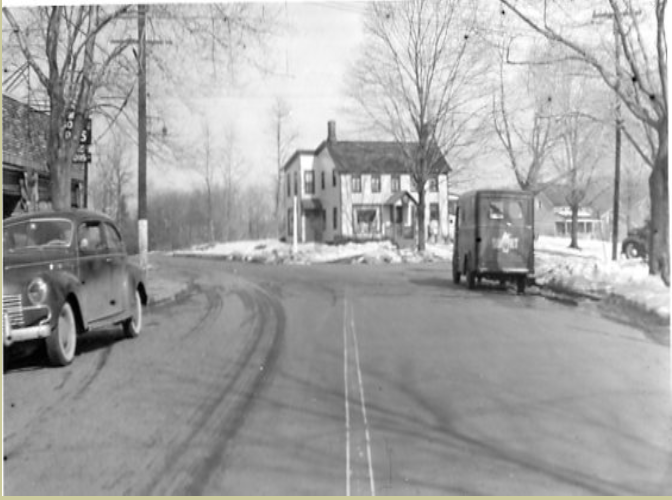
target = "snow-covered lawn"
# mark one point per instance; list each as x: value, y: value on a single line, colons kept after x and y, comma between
x: 589, y: 270
x: 277, y: 252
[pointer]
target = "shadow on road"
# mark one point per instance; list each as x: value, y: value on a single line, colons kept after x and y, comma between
x: 33, y: 355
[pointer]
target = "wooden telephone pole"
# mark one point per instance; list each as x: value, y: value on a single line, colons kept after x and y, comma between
x: 142, y: 137
x: 619, y: 126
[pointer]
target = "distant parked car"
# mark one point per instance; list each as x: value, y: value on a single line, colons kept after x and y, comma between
x: 64, y: 274
x: 636, y: 244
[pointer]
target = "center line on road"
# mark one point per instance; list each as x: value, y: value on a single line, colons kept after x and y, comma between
x: 348, y: 471
x: 361, y: 395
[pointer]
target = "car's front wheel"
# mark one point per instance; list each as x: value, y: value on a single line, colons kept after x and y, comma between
x: 133, y: 325
x: 62, y: 342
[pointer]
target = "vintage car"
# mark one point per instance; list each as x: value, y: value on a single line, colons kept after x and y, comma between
x: 636, y: 243
x: 494, y: 237
x: 64, y: 274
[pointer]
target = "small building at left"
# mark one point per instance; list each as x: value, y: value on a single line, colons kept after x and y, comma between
x: 25, y: 175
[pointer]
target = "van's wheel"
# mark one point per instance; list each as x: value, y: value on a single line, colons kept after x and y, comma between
x: 456, y: 273
x: 133, y: 325
x: 62, y: 342
x: 521, y: 282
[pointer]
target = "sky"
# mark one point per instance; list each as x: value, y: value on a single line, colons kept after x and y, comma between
x: 311, y: 59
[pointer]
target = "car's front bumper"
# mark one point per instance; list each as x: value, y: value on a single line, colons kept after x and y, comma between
x: 11, y: 335
x: 21, y: 323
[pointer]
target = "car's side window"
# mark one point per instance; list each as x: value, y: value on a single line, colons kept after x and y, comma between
x: 114, y: 241
x: 90, y: 237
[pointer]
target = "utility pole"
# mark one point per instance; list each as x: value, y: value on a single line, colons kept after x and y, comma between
x: 617, y: 152
x: 618, y: 124
x: 142, y: 136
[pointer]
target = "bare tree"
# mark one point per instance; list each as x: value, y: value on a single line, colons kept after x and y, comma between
x: 284, y: 141
x: 417, y: 81
x: 638, y: 79
x: 74, y: 70
x: 111, y: 178
x: 577, y: 163
x: 232, y: 170
x: 525, y: 129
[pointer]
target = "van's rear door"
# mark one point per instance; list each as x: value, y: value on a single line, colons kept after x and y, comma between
x: 507, y: 233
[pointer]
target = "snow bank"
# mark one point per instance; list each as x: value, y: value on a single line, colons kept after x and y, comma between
x: 276, y: 252
x: 588, y: 270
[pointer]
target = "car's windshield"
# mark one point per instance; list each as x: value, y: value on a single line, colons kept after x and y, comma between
x: 37, y: 233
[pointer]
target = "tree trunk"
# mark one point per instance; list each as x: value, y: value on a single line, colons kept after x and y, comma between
x: 574, y: 243
x: 421, y: 218
x: 659, y: 260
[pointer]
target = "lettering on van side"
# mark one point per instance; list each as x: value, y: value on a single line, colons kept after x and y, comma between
x: 506, y: 243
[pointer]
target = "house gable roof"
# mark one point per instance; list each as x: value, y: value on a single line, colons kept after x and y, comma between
x: 297, y: 153
x: 373, y: 157
x: 24, y: 135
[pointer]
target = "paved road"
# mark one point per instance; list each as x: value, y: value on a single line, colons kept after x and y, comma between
x: 347, y: 380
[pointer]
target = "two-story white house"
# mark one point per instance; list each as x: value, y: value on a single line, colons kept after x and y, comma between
x: 358, y: 190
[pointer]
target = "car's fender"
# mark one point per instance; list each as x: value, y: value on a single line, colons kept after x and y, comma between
x: 63, y: 284
x: 137, y: 277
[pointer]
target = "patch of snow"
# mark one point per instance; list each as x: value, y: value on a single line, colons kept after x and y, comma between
x: 587, y: 270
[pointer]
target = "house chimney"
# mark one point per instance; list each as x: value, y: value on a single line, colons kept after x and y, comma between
x: 331, y: 131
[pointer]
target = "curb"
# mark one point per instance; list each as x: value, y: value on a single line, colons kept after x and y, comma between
x: 636, y: 313
x: 631, y: 307
x: 184, y: 292
x: 560, y: 288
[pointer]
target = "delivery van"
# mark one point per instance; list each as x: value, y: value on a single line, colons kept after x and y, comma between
x: 494, y: 237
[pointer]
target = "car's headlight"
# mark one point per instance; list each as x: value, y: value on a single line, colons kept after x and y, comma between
x: 37, y: 291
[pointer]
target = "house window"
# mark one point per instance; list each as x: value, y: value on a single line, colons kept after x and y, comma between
x: 366, y: 220
x: 356, y: 183
x: 433, y: 211
x: 333, y: 177
x: 309, y: 182
x: 433, y: 184
x: 396, y: 184
x: 290, y: 222
x: 296, y: 184
x: 288, y: 181
x: 375, y: 183
x: 323, y: 180
x: 335, y: 217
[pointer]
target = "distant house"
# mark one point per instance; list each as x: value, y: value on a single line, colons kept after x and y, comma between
x: 359, y: 190
x: 553, y: 215
x: 24, y: 158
